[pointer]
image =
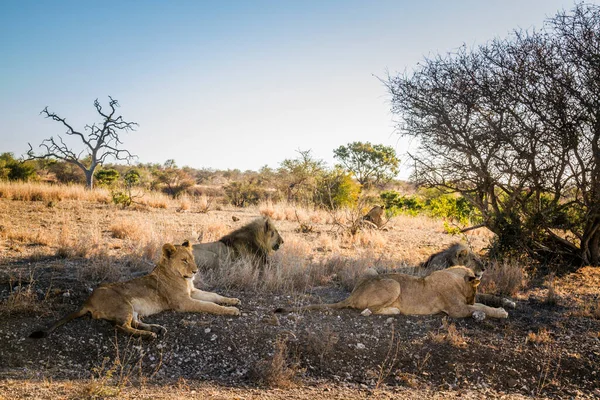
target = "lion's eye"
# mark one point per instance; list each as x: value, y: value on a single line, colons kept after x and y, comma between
x: 185, y: 261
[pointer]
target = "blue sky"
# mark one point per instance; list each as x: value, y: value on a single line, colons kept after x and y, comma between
x: 230, y: 84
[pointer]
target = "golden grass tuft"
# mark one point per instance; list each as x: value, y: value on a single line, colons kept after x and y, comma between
x: 26, y: 191
x: 503, y: 278
x: 541, y: 337
x: 448, y: 334
x: 278, y: 371
x: 126, y: 229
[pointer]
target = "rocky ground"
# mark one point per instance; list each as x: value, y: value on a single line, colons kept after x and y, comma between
x: 548, y: 347
x: 542, y: 349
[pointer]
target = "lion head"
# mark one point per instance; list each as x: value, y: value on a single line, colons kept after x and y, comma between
x: 456, y: 254
x: 179, y: 260
x: 257, y: 238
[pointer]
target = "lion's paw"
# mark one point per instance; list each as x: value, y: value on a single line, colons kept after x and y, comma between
x: 151, y: 336
x: 509, y: 303
x: 502, y: 313
x: 233, y: 311
x: 478, y: 315
x: 161, y: 330
x: 235, y: 301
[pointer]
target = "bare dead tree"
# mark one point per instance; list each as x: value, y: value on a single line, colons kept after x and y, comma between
x: 514, y: 127
x: 101, y: 141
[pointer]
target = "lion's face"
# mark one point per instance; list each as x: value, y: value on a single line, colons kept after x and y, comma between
x: 180, y: 259
x: 274, y: 239
x: 470, y: 260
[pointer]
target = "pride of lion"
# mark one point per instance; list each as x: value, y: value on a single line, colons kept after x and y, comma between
x: 447, y: 283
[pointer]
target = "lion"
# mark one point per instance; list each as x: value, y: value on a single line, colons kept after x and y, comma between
x: 451, y: 291
x: 456, y: 254
x: 170, y: 286
x: 459, y: 254
x: 375, y: 217
x: 256, y: 239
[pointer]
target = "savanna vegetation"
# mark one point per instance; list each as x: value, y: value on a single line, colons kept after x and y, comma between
x: 507, y: 162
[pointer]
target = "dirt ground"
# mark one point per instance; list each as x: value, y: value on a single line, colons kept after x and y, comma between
x: 546, y: 348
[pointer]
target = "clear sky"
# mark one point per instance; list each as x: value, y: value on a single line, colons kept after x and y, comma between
x: 230, y: 84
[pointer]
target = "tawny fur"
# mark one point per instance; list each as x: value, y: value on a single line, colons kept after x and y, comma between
x: 451, y: 291
x: 256, y: 240
x: 168, y: 287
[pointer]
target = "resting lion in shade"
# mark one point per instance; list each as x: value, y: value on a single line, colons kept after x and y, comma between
x: 170, y: 286
x: 256, y: 239
x: 451, y: 291
x: 460, y: 254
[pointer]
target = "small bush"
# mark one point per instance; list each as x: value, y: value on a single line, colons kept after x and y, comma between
x: 278, y: 371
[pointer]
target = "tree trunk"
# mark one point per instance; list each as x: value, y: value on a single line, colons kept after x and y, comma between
x: 89, y: 179
x: 594, y: 247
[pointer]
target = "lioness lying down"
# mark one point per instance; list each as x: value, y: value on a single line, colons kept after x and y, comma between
x: 170, y: 286
x: 451, y: 291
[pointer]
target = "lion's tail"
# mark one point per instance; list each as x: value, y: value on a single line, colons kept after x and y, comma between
x: 42, y: 333
x: 311, y: 307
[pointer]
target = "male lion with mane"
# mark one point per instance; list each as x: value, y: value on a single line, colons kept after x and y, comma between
x: 459, y: 254
x: 256, y: 239
x: 451, y: 291
x: 456, y: 254
x: 170, y: 286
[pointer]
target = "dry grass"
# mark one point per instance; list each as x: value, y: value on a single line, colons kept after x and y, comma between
x: 128, y: 229
x: 23, y: 297
x: 278, y: 371
x: 552, y: 297
x: 46, y: 192
x: 448, y: 334
x: 25, y: 235
x: 503, y: 278
x: 541, y: 337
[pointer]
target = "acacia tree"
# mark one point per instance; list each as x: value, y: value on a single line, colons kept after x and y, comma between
x: 370, y: 164
x: 301, y: 175
x: 101, y: 141
x: 514, y: 127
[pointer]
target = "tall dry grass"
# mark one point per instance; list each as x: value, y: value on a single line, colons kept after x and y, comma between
x: 26, y: 191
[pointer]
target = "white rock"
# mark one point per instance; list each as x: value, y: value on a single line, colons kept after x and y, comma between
x: 366, y: 312
x: 360, y: 346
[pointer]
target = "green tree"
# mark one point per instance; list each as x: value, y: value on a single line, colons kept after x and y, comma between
x: 301, y: 175
x: 337, y: 189
x: 15, y: 170
x: 370, y: 164
x: 175, y: 181
x: 101, y: 140
x: 106, y: 177
x: 513, y: 126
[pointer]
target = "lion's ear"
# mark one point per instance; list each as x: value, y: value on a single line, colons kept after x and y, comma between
x: 168, y: 250
x: 186, y: 244
x: 266, y: 225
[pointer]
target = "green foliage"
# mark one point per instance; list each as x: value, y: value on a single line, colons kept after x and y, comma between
x: 300, y: 177
x: 132, y: 178
x: 395, y: 203
x: 452, y: 208
x: 172, y: 180
x: 122, y: 198
x: 370, y: 164
x: 15, y: 170
x: 337, y: 189
x: 106, y: 177
x: 244, y: 193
